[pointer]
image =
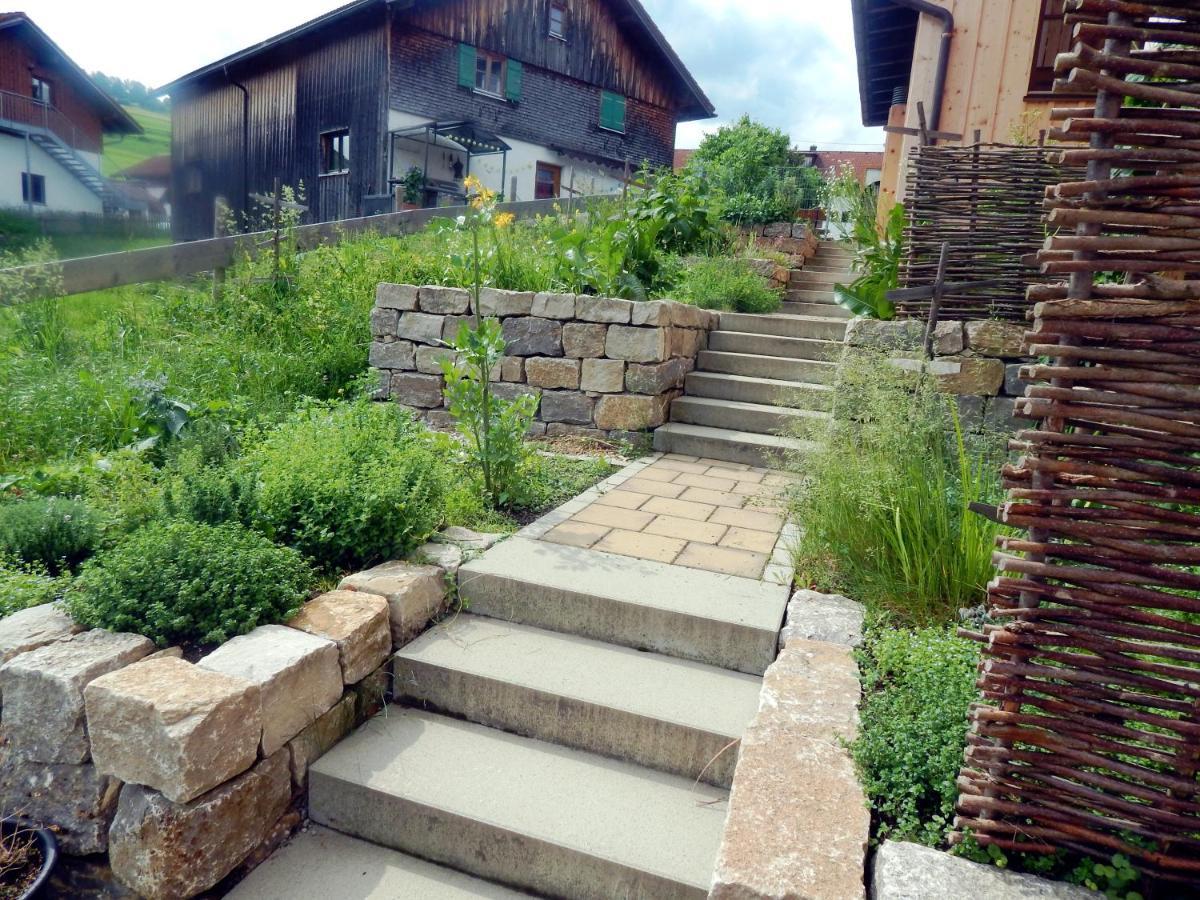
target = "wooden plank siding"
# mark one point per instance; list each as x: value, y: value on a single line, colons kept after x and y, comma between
x: 17, y: 57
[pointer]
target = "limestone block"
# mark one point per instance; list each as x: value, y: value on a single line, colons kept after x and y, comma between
x: 603, y: 376
x: 396, y: 355
x: 971, y: 410
x: 415, y: 594
x: 1014, y: 386
x: 452, y: 325
x: 795, y: 786
x: 642, y: 345
x: 684, y: 315
x: 421, y: 391
x: 76, y: 802
x: 545, y: 372
x: 571, y: 407
x: 513, y: 391
x: 949, y: 339
x: 396, y: 296
x: 995, y: 338
x: 581, y: 341
x: 447, y: 557
x: 357, y: 622
x: 626, y: 412
x: 496, y: 303
x: 656, y: 313
x: 429, y: 359
x: 444, y: 301
x: 684, y: 342
x: 173, y: 726
x: 873, y: 334
x: 299, y: 677
x: 35, y: 627
x: 512, y: 369
x: 531, y: 336
x: 999, y: 415
x: 554, y: 306
x: 903, y: 871
x: 43, y: 716
x: 777, y: 229
x: 384, y: 322
x: 831, y: 618
x: 604, y: 309
x: 420, y: 327
x: 562, y: 429
x: 372, y: 694
x: 968, y: 375
x: 320, y: 737
x: 165, y: 849
x: 656, y: 379
x: 467, y: 539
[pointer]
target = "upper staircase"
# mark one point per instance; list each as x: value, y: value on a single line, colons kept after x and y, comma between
x: 764, y: 378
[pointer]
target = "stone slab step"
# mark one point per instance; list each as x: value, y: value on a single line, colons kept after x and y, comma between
x: 819, y: 328
x: 593, y: 696
x: 776, y: 367
x: 823, y: 308
x: 773, y: 345
x: 320, y: 864
x: 724, y: 444
x: 764, y: 391
x: 525, y: 813
x: 684, y: 613
x: 735, y: 416
x: 815, y: 277
x: 824, y: 295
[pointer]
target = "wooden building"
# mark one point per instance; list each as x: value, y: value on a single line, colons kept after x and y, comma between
x: 53, y: 119
x: 976, y: 65
x: 383, y: 103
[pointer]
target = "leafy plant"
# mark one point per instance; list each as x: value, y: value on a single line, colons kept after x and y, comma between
x: 55, y: 532
x: 24, y: 585
x: 193, y: 584
x: 414, y: 185
x: 878, y: 258
x: 726, y: 284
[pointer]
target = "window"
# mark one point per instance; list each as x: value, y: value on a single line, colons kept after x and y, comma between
x: 41, y: 91
x: 33, y: 189
x: 548, y: 182
x: 558, y: 21
x: 1054, y: 37
x: 489, y: 74
x: 612, y: 112
x: 335, y: 152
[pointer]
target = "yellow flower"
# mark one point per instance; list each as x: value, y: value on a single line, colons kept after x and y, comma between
x: 503, y: 220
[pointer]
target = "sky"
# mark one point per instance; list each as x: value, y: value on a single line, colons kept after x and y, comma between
x: 788, y: 63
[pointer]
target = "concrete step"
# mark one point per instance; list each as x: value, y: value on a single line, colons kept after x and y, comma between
x: 723, y: 444
x: 634, y: 603
x: 763, y: 391
x: 773, y: 345
x: 618, y: 702
x: 521, y: 812
x: 829, y: 310
x: 819, y: 328
x: 736, y: 416
x: 843, y: 273
x: 320, y: 864
x: 799, y: 295
x: 807, y: 276
x: 775, y: 367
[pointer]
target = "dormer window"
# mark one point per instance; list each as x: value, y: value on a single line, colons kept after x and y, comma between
x: 558, y: 21
x: 41, y: 90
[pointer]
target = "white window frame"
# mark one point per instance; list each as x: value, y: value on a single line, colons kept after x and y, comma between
x: 497, y: 66
x: 561, y: 34
x: 42, y: 91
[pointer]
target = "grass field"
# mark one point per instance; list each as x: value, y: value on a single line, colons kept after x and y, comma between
x: 121, y: 153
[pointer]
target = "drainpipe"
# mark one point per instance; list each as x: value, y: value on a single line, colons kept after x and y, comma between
x: 245, y: 147
x: 939, y: 81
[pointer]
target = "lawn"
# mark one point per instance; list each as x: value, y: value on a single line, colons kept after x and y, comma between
x: 122, y: 152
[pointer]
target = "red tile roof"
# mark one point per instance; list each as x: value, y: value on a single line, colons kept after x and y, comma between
x: 682, y: 157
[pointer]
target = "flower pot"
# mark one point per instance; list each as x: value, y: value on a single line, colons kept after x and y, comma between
x: 48, y: 845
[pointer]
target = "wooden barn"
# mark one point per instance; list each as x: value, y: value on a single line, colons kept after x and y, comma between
x: 383, y: 104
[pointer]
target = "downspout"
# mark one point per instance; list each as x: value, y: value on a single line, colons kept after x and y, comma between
x: 939, y: 81
x: 245, y: 147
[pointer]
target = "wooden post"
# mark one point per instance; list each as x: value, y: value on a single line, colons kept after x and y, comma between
x: 935, y: 305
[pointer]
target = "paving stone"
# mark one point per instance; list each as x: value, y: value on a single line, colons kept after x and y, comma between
x: 643, y: 345
x: 603, y: 309
x: 76, y: 802
x: 682, y: 465
x: 533, y: 337
x: 831, y: 618
x: 602, y: 376
x: 641, y: 485
x: 164, y: 849
x: 299, y: 677
x: 29, y: 629
x: 173, y: 726
x: 420, y: 327
x: 357, y: 622
x: 707, y: 482
x: 623, y: 499
x: 641, y: 546
x: 628, y: 412
x: 420, y: 391
x: 749, y: 518
x: 444, y: 301
x: 745, y: 539
x: 728, y: 499
x: 554, y: 306
x: 496, y: 303
x: 396, y: 296
x: 396, y: 355
x: 384, y: 323
x: 570, y: 407
x: 610, y: 517
x: 320, y: 736
x: 686, y: 529
x: 576, y: 534
x: 553, y: 374
x: 968, y: 375
x: 582, y: 341
x: 723, y: 560
x: 681, y: 509
x: 996, y: 338
x: 415, y: 594
x: 655, y: 379
x: 43, y: 715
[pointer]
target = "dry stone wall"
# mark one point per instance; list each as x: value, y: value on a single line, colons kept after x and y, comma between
x: 599, y: 366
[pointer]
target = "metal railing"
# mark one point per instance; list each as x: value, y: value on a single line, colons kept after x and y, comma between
x: 28, y: 111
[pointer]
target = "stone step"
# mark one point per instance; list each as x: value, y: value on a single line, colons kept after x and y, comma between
x: 773, y: 345
x: 634, y: 603
x: 834, y: 268
x: 521, y: 812
x: 775, y: 367
x: 736, y: 416
x: 806, y: 276
x: 605, y: 699
x: 830, y: 310
x: 820, y: 328
x: 763, y: 391
x: 320, y: 864
x: 718, y: 443
x: 824, y: 295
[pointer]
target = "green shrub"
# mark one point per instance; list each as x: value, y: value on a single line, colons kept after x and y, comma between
x: 54, y: 532
x: 728, y: 285
x: 192, y: 584
x: 918, y: 686
x: 348, y: 485
x: 23, y: 585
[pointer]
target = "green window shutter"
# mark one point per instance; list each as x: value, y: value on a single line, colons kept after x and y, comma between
x: 513, y: 81
x: 612, y: 111
x: 466, y: 66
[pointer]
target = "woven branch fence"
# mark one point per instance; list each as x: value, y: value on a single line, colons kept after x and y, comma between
x: 985, y: 202
x: 1088, y: 736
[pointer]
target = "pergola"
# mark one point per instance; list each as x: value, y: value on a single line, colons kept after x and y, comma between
x: 469, y: 137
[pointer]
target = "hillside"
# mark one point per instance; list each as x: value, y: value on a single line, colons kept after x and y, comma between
x: 121, y: 153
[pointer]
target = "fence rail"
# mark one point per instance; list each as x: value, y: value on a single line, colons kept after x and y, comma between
x: 95, y: 273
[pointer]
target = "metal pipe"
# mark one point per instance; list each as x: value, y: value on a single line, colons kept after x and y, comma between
x: 939, y: 80
x: 245, y: 147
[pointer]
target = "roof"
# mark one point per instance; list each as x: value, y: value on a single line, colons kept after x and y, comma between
x: 154, y: 168
x: 113, y: 117
x: 695, y: 106
x: 860, y: 161
x: 682, y: 157
x: 885, y: 36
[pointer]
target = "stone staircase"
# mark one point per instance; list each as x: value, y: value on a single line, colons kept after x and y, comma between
x: 762, y: 376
